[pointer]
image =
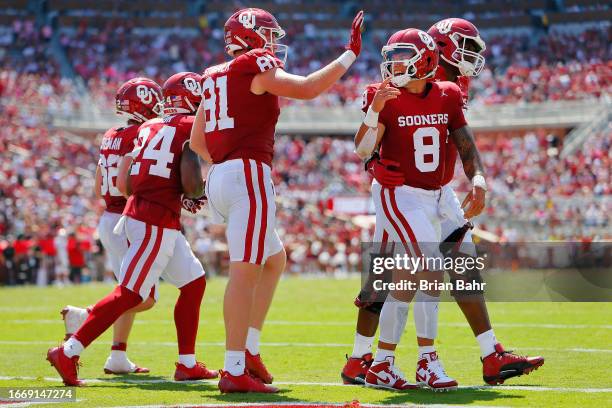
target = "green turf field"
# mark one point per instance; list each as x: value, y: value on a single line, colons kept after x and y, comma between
x: 310, y: 329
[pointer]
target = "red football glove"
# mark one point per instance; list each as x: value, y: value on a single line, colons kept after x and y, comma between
x: 193, y: 205
x: 356, y: 29
x: 386, y: 172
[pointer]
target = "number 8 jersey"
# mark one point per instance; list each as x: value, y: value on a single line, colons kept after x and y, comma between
x: 416, y: 130
x: 239, y: 123
x: 156, y: 171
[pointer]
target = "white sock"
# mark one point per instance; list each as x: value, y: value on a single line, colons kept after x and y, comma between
x: 252, y: 342
x: 118, y: 355
x: 73, y: 347
x: 234, y: 362
x: 426, y: 350
x: 487, y: 342
x: 382, y: 355
x: 362, y: 345
x: 188, y: 360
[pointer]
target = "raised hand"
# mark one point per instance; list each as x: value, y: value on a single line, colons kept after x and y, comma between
x: 384, y: 93
x: 356, y: 29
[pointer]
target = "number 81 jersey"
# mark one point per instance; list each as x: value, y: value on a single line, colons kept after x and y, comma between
x: 156, y: 171
x: 116, y: 143
x: 239, y: 123
x: 416, y: 130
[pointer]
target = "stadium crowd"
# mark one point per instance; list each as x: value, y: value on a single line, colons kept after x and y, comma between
x: 520, y: 68
x: 48, y: 212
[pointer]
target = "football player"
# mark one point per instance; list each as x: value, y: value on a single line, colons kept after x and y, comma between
x: 461, y: 58
x: 460, y: 47
x: 410, y: 117
x: 234, y: 130
x: 139, y: 100
x: 155, y: 175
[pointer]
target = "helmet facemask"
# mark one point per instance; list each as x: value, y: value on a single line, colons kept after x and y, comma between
x: 399, y: 63
x: 470, y: 63
x: 271, y: 36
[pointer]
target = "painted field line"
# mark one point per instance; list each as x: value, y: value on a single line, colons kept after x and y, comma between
x: 306, y: 405
x: 297, y: 344
x: 338, y: 324
x: 317, y: 384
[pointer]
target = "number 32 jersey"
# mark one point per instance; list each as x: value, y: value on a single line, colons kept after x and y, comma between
x: 156, y: 171
x: 116, y: 143
x: 416, y: 128
x: 240, y: 124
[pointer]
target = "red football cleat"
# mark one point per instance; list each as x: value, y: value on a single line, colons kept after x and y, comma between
x: 386, y: 375
x: 257, y: 368
x: 355, y: 369
x: 68, y: 368
x: 243, y: 383
x: 197, y: 372
x: 501, y: 365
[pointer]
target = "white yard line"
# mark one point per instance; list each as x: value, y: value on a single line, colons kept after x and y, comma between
x: 299, y: 344
x: 319, y: 384
x: 338, y: 324
x: 307, y: 404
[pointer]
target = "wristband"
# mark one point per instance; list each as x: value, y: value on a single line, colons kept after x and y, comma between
x: 479, y: 181
x: 371, y: 118
x: 347, y: 58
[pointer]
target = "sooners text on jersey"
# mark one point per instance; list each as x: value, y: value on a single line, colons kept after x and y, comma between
x: 416, y: 129
x: 116, y: 143
x: 156, y: 171
x: 240, y: 124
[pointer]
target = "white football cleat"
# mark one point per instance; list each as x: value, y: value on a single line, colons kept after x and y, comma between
x: 384, y: 374
x: 122, y: 366
x: 430, y: 374
x: 73, y: 318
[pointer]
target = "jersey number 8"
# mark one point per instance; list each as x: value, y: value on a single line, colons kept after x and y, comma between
x: 421, y: 149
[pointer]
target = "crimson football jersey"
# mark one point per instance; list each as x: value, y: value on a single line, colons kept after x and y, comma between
x: 451, y: 150
x: 116, y: 143
x: 156, y: 171
x: 240, y: 124
x: 416, y: 129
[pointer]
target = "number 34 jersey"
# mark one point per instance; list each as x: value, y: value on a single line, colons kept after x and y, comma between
x: 156, y: 171
x: 239, y: 123
x: 416, y: 128
x: 116, y: 143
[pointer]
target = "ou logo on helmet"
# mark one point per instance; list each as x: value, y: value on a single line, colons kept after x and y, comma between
x: 145, y: 94
x: 426, y: 38
x: 445, y: 26
x: 247, y: 18
x: 193, y: 86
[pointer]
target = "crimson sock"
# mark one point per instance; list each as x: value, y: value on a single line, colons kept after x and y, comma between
x: 119, y: 346
x: 105, y: 312
x: 187, y: 314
